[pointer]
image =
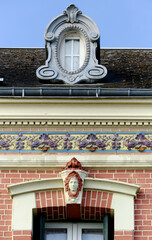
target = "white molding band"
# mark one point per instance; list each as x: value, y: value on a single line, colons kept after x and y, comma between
x: 111, y: 186
x: 89, y: 184
x: 35, y: 186
x: 91, y: 160
x: 76, y: 112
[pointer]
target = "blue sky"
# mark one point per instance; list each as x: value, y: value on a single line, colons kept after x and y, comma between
x: 122, y: 23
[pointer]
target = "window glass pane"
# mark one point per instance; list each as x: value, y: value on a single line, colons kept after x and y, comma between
x: 68, y: 63
x: 75, y: 63
x: 68, y: 44
x: 92, y: 234
x: 76, y: 47
x: 56, y: 234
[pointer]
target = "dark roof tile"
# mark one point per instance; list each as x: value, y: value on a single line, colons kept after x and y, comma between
x: 127, y: 68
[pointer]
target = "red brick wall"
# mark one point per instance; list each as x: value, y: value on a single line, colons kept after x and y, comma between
x: 124, y: 235
x: 22, y: 235
x: 95, y: 204
x: 52, y: 204
x: 143, y: 203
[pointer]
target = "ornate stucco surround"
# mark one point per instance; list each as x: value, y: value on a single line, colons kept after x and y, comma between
x: 71, y: 22
x: 23, y: 194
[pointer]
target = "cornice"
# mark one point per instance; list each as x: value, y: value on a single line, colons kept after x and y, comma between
x: 75, y: 112
x: 89, y: 184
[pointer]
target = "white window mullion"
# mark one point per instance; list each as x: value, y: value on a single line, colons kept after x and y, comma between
x: 72, y: 55
x: 75, y: 231
x: 69, y: 232
x: 79, y: 232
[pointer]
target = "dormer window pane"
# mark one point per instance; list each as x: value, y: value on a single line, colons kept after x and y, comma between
x: 75, y: 63
x: 68, y: 44
x: 68, y: 63
x: 76, y: 47
x: 72, y: 54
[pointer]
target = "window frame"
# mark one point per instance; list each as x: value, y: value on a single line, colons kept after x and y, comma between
x: 82, y: 49
x: 49, y: 225
x: 39, y: 225
x: 74, y: 230
x: 90, y: 225
x: 72, y: 55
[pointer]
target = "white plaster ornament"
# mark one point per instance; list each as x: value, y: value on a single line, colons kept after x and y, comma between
x: 83, y: 64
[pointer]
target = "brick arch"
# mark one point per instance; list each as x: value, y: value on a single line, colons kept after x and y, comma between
x: 94, y: 205
x: 51, y: 204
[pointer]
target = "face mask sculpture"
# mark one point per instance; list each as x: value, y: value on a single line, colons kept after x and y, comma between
x: 73, y: 178
x: 73, y: 185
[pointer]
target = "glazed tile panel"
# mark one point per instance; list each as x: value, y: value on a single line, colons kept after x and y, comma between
x: 76, y: 141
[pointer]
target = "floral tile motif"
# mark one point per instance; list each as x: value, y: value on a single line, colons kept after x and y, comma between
x: 77, y: 142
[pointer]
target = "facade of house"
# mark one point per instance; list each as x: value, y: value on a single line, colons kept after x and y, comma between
x: 75, y: 137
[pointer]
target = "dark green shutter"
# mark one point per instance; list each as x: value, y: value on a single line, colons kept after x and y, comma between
x: 108, y: 225
x: 38, y: 226
x: 42, y: 223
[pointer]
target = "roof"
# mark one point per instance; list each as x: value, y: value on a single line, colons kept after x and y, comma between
x: 127, y: 68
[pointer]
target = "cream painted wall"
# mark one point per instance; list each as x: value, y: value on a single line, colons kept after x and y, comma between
x: 123, y: 212
x: 22, y: 211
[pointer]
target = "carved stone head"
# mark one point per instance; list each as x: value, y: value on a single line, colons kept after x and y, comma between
x: 73, y: 184
x: 73, y: 177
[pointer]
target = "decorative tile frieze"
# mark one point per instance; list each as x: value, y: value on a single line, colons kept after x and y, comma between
x: 76, y: 141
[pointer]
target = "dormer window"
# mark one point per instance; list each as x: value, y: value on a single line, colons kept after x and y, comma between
x: 72, y: 52
x: 72, y: 44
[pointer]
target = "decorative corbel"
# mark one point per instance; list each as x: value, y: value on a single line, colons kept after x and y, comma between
x: 73, y: 176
